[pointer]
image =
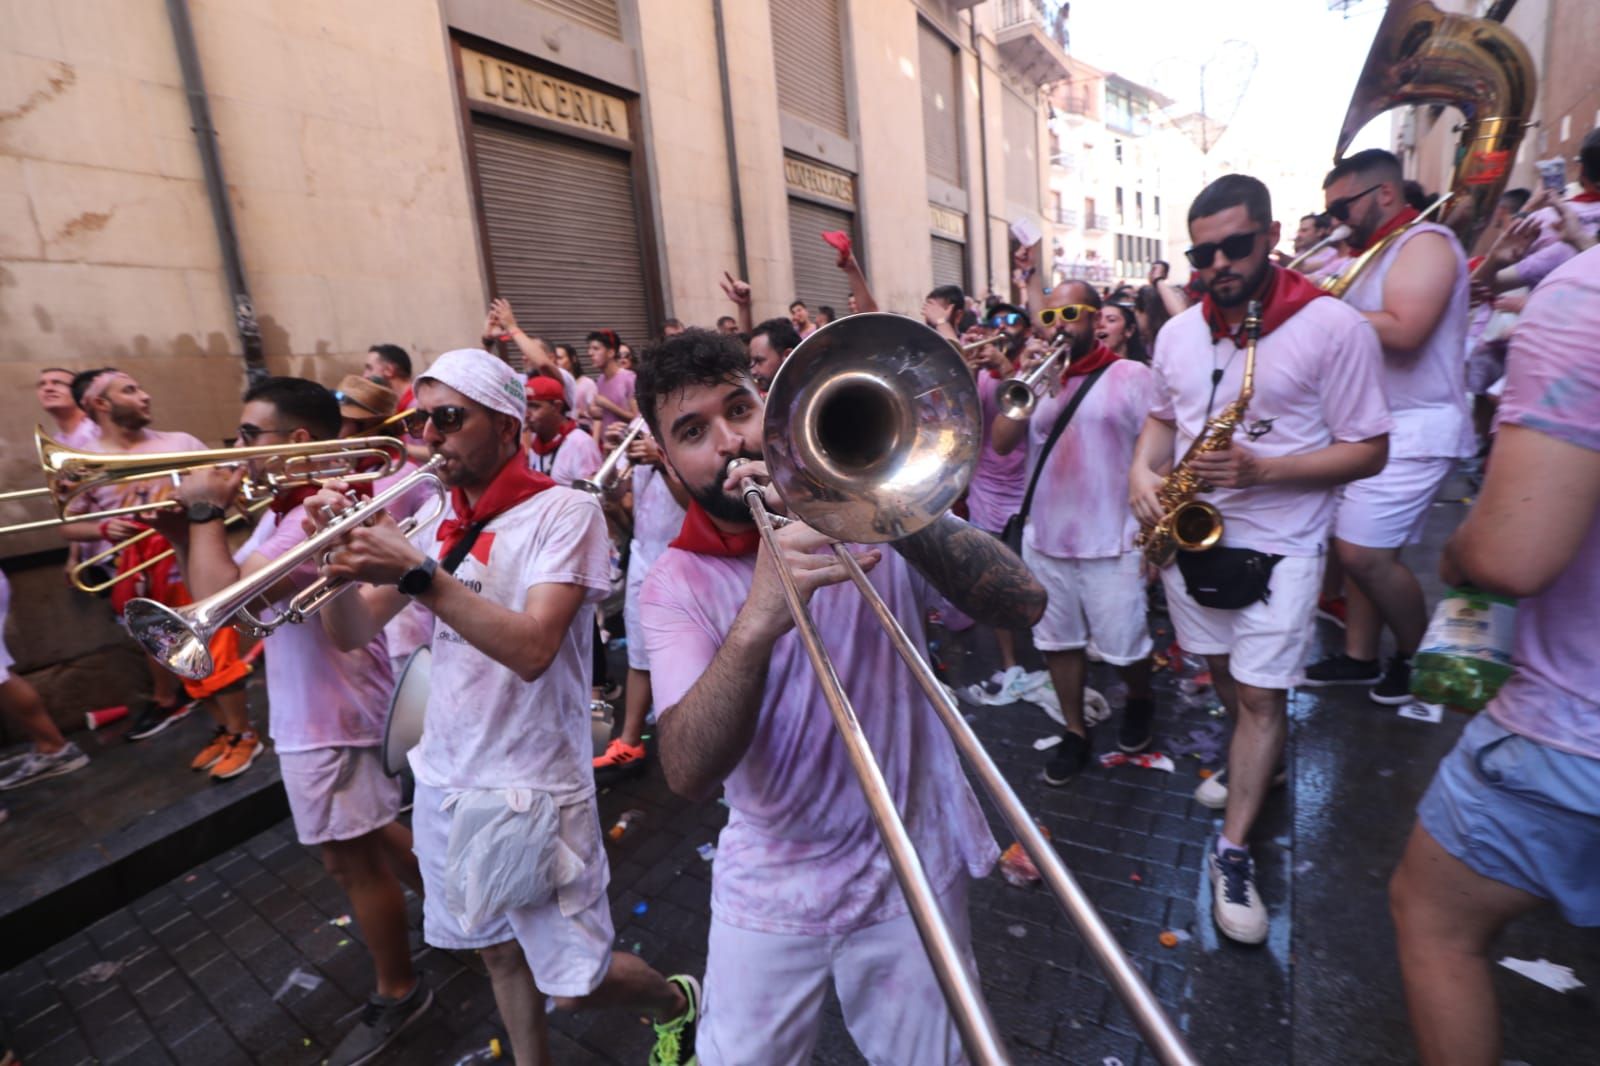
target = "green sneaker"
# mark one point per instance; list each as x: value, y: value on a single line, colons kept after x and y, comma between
x: 675, y: 1039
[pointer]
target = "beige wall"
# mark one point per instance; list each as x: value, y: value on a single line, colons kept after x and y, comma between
x: 340, y: 143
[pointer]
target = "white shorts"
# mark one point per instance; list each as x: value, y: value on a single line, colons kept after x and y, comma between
x: 1097, y: 604
x: 338, y: 793
x: 1266, y: 642
x: 567, y: 941
x: 1388, y: 509
x: 764, y: 992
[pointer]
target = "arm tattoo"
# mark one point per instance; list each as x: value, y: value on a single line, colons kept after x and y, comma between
x: 976, y: 572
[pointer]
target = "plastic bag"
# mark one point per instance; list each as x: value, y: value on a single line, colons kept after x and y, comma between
x: 504, y: 853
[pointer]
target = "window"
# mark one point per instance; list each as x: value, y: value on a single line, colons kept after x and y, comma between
x: 1119, y: 205
x: 1138, y: 208
x: 1117, y: 150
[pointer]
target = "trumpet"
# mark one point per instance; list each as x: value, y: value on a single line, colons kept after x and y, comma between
x: 80, y: 573
x: 180, y: 638
x: 612, y: 470
x: 1018, y: 395
x: 1335, y: 235
x: 69, y: 474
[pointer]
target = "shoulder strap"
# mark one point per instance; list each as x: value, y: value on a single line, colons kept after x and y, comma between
x: 1055, y: 435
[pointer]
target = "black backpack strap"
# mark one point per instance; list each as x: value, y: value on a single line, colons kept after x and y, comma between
x: 458, y: 554
x: 1055, y: 435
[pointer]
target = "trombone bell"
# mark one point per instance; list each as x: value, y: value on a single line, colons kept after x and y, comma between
x: 872, y: 428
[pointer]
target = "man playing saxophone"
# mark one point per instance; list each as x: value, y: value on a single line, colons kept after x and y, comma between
x: 1317, y: 418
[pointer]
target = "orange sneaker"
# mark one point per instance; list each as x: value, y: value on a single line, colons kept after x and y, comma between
x: 243, y: 750
x: 213, y: 752
x: 620, y: 760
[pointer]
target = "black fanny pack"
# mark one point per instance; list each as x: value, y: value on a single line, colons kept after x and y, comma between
x: 1227, y: 578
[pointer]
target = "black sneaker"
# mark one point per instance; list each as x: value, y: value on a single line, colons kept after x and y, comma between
x: 154, y: 718
x: 1342, y: 670
x: 1068, y: 759
x: 382, y: 1022
x: 1134, y: 733
x: 1394, y: 688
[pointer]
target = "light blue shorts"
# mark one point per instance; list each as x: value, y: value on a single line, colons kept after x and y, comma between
x: 1520, y: 813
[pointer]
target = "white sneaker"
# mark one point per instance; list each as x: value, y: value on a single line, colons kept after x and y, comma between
x: 37, y: 766
x: 1235, y: 903
x: 1213, y: 791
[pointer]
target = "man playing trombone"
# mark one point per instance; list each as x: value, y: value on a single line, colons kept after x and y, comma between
x: 802, y: 889
x: 121, y: 408
x: 328, y: 707
x: 508, y: 578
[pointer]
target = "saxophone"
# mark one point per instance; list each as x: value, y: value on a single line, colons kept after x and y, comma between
x: 1187, y: 523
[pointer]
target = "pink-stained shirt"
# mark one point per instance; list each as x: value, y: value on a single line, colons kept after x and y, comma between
x: 1548, y: 250
x: 321, y: 697
x: 147, y: 491
x: 657, y: 515
x: 1553, y: 388
x: 83, y: 436
x: 1318, y: 380
x: 800, y: 855
x: 1080, y: 509
x: 581, y: 397
x: 486, y: 727
x: 1426, y: 385
x: 618, y: 388
x: 999, y: 480
x: 1320, y: 264
x: 577, y: 457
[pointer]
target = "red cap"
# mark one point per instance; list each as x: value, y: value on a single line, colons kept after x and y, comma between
x: 542, y: 388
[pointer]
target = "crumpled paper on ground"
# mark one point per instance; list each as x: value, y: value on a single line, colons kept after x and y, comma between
x: 1552, y: 975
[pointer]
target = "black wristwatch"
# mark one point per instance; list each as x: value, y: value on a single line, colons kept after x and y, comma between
x: 201, y: 512
x: 419, y: 578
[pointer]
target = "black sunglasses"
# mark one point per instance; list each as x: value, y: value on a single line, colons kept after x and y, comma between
x: 249, y: 434
x: 1340, y: 208
x: 1235, y: 247
x: 446, y: 418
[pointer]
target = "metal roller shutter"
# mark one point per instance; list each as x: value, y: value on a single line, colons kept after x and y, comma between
x: 563, y: 235
x: 808, y: 57
x: 817, y: 280
x: 949, y: 263
x: 598, y: 15
x: 1021, y: 125
x: 941, y: 97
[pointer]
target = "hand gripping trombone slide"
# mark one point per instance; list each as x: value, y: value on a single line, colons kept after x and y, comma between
x: 179, y: 638
x: 870, y: 435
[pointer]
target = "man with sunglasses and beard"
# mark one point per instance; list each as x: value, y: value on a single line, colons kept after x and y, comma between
x: 509, y: 577
x: 802, y: 891
x: 1318, y: 419
x: 1078, y: 539
x: 1415, y: 296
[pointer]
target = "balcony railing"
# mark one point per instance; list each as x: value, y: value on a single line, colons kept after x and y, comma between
x: 1067, y: 216
x: 1022, y: 12
x: 1098, y: 223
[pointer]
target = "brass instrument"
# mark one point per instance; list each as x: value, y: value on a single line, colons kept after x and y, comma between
x: 871, y: 433
x: 615, y: 465
x: 1420, y: 55
x: 1339, y: 284
x: 1186, y: 523
x: 80, y: 573
x: 179, y: 637
x: 1018, y: 395
x: 1335, y: 235
x: 69, y: 474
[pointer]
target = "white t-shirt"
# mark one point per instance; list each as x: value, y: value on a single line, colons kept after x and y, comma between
x: 1318, y: 380
x: 321, y: 697
x: 486, y: 727
x: 1080, y: 509
x: 408, y: 630
x: 657, y: 515
x: 1426, y: 387
x: 998, y: 481
x: 578, y: 456
x: 800, y: 855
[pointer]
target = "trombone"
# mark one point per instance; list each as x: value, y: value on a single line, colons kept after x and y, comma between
x: 871, y: 434
x: 180, y: 638
x: 1335, y: 235
x: 69, y: 474
x: 614, y: 467
x: 80, y: 573
x: 1018, y: 395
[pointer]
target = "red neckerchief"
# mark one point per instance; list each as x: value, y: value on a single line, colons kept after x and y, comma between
x: 1585, y: 197
x: 541, y: 447
x: 287, y: 500
x: 1289, y: 292
x: 1099, y: 357
x: 514, y: 483
x: 701, y: 536
x: 1405, y: 216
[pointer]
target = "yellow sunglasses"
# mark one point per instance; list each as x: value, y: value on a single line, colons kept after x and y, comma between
x: 1070, y: 313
